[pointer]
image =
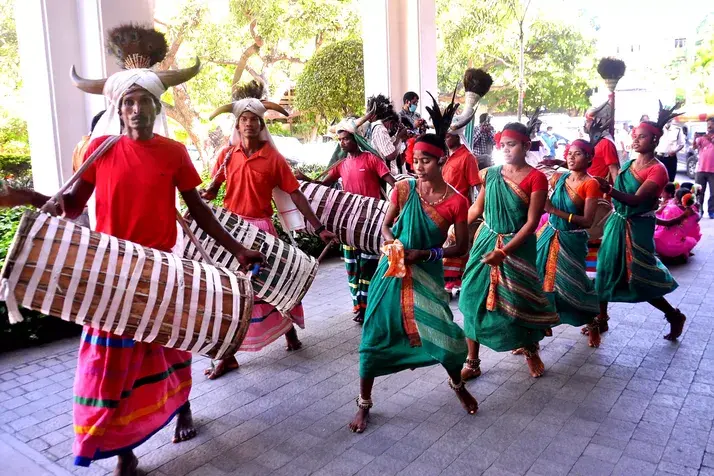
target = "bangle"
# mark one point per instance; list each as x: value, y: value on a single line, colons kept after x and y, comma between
x: 570, y: 217
x: 320, y: 229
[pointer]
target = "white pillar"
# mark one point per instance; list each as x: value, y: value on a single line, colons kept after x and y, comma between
x: 399, y: 48
x: 53, y: 35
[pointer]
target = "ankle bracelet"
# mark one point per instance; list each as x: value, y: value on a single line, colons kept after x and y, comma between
x: 456, y: 386
x: 364, y: 404
x: 473, y: 363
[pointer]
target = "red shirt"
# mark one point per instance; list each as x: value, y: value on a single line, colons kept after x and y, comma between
x: 461, y: 170
x: 454, y: 209
x: 361, y: 174
x: 135, y: 187
x: 605, y: 155
x: 250, y: 180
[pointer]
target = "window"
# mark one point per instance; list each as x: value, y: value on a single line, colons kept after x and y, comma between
x: 680, y: 42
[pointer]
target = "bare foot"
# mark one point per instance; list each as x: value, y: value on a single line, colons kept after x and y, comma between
x: 518, y: 351
x: 221, y: 367
x: 184, y: 424
x: 549, y: 332
x: 594, y: 336
x: 359, y: 423
x: 602, y: 325
x: 467, y: 400
x: 468, y: 372
x: 535, y: 365
x: 676, y: 324
x: 292, y: 339
x: 126, y: 465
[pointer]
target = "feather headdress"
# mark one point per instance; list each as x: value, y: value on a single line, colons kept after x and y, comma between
x: 442, y: 121
x: 135, y: 46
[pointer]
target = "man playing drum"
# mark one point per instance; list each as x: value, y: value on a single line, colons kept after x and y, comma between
x: 125, y: 391
x: 251, y: 168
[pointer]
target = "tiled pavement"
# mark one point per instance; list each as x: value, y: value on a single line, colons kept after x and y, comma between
x: 638, y: 405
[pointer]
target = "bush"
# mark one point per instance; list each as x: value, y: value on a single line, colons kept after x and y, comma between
x: 16, y: 170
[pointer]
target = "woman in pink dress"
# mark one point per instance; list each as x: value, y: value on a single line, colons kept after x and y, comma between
x: 677, y: 231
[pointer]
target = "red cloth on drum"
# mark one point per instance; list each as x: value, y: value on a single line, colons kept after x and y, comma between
x: 266, y: 322
x: 126, y: 391
x: 135, y: 186
x: 361, y: 174
x: 461, y: 170
x: 250, y: 180
x: 605, y: 155
x: 454, y: 209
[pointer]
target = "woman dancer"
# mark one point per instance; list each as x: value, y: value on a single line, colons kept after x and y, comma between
x: 408, y: 323
x: 502, y: 295
x: 627, y: 269
x: 563, y: 242
x: 677, y: 231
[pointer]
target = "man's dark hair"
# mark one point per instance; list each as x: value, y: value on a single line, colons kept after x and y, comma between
x: 710, y: 119
x: 482, y: 118
x: 95, y: 120
x: 409, y: 97
x: 549, y: 128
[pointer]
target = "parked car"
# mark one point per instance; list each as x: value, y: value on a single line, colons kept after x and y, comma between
x: 688, y: 157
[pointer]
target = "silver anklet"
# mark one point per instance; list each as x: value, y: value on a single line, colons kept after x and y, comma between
x: 456, y: 386
x: 363, y: 403
x: 473, y: 363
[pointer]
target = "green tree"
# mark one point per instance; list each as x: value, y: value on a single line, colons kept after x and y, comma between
x: 13, y: 128
x: 266, y: 40
x: 559, y: 62
x: 332, y: 84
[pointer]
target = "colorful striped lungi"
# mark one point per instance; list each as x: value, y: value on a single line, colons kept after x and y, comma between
x: 591, y: 258
x: 124, y: 392
x: 360, y: 269
x: 267, y: 324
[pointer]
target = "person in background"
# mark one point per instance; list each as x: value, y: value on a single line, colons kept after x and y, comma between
x: 549, y: 140
x: 81, y: 147
x: 705, y: 167
x: 483, y: 140
x: 408, y: 113
x: 669, y: 145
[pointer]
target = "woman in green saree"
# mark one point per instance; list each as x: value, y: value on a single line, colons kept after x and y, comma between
x: 563, y: 242
x: 502, y: 297
x: 627, y: 268
x: 408, y: 323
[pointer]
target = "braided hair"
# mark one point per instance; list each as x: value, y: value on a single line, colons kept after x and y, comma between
x: 442, y: 123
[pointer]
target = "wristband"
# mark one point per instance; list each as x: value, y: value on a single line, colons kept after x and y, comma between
x: 320, y: 229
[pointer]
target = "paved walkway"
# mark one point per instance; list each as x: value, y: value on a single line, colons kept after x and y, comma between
x: 638, y: 405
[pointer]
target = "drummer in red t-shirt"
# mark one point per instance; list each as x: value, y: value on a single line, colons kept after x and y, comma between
x: 361, y: 173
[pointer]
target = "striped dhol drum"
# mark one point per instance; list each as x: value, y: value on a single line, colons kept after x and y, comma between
x: 290, y: 271
x: 355, y: 219
x: 68, y: 271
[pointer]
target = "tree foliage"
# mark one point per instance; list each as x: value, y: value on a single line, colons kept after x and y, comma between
x: 332, y: 84
x: 13, y: 128
x: 559, y: 59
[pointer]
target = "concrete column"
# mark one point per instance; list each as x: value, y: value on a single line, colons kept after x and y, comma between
x: 53, y: 35
x: 399, y: 48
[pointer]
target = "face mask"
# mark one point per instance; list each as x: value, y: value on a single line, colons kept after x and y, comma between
x: 412, y: 108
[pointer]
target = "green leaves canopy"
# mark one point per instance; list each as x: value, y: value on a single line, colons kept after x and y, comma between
x: 332, y: 84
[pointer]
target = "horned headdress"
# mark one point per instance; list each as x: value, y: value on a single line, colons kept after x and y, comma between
x: 137, y: 50
x: 477, y: 83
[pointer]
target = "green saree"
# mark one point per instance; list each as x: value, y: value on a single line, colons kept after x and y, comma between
x: 627, y: 268
x: 562, y: 248
x: 408, y: 323
x: 504, y: 307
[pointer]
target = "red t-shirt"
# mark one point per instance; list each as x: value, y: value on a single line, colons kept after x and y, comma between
x: 135, y: 188
x: 454, y: 209
x: 605, y: 155
x: 461, y: 170
x: 361, y: 174
x: 250, y: 180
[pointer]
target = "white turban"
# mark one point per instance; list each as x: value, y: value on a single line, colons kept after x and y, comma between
x: 256, y: 107
x: 116, y: 87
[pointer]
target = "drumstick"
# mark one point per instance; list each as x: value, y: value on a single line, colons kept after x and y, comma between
x: 324, y: 251
x: 193, y: 239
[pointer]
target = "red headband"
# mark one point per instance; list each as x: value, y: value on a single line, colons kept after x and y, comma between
x: 514, y: 135
x: 655, y: 131
x: 427, y: 148
x: 585, y: 146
